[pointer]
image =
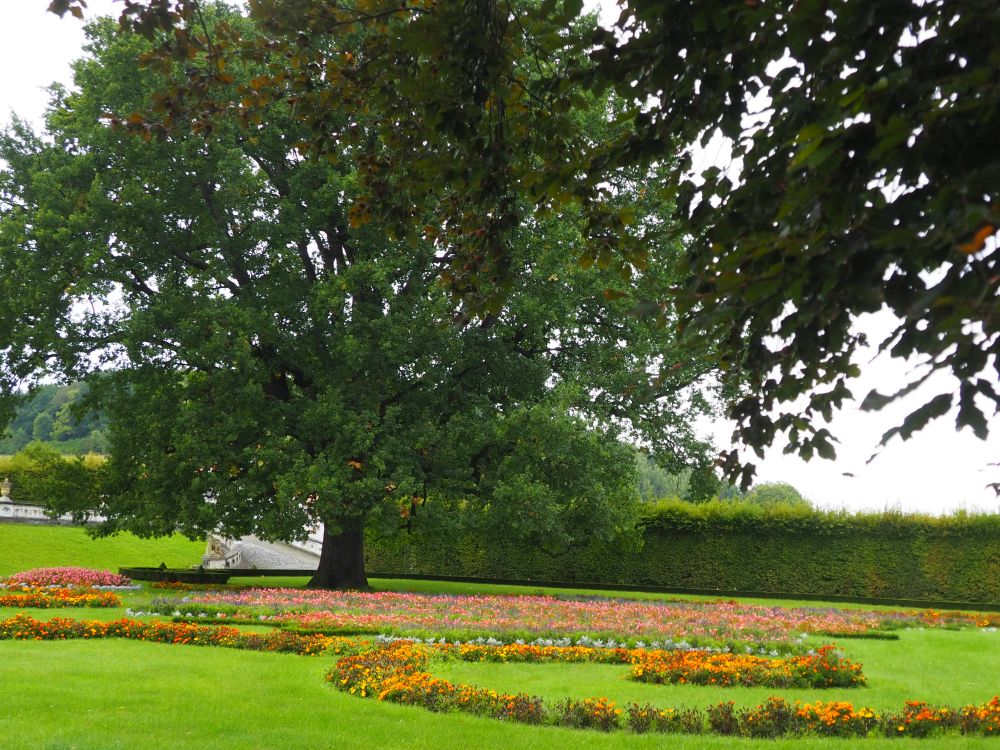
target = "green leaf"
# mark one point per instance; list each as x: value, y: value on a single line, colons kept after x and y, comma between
x: 572, y: 8
x: 918, y: 418
x: 810, y: 132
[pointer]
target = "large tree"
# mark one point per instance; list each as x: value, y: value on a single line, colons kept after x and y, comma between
x: 271, y: 363
x: 866, y: 133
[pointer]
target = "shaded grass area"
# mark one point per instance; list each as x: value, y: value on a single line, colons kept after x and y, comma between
x: 98, y: 695
x: 24, y: 546
x: 939, y: 667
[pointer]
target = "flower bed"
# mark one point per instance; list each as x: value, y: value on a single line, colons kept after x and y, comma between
x: 534, y: 653
x: 68, y: 576
x: 23, y: 627
x: 394, y: 673
x: 32, y: 597
x: 397, y: 672
x: 824, y: 668
x: 174, y: 586
x: 527, y: 617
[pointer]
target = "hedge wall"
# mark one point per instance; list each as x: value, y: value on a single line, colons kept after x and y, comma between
x: 738, y: 547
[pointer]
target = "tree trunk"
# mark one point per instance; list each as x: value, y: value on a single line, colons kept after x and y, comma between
x: 342, y: 559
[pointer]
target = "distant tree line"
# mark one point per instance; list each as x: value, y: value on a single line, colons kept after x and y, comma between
x: 702, y: 485
x: 54, y: 416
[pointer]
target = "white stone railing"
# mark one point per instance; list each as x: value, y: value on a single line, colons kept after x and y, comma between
x: 14, y: 511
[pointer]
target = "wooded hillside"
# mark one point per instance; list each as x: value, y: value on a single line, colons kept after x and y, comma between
x: 52, y: 417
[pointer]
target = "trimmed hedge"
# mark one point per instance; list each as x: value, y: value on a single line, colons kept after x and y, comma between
x: 38, y: 473
x: 177, y: 575
x: 740, y: 547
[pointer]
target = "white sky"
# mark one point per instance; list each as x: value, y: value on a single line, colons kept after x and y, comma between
x: 937, y: 471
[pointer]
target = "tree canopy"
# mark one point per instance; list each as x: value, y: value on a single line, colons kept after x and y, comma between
x: 865, y: 132
x: 777, y: 493
x: 268, y: 363
x: 868, y: 182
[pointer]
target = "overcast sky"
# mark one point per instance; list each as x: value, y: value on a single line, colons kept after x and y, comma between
x: 937, y: 471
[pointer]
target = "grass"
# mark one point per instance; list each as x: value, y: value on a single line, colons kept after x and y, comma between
x: 119, y: 694
x: 96, y: 695
x: 26, y: 546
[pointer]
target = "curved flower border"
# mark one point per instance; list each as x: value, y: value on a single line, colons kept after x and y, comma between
x: 397, y: 673
x: 26, y: 628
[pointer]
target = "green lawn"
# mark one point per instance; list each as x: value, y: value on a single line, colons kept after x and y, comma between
x: 125, y: 694
x: 24, y: 546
